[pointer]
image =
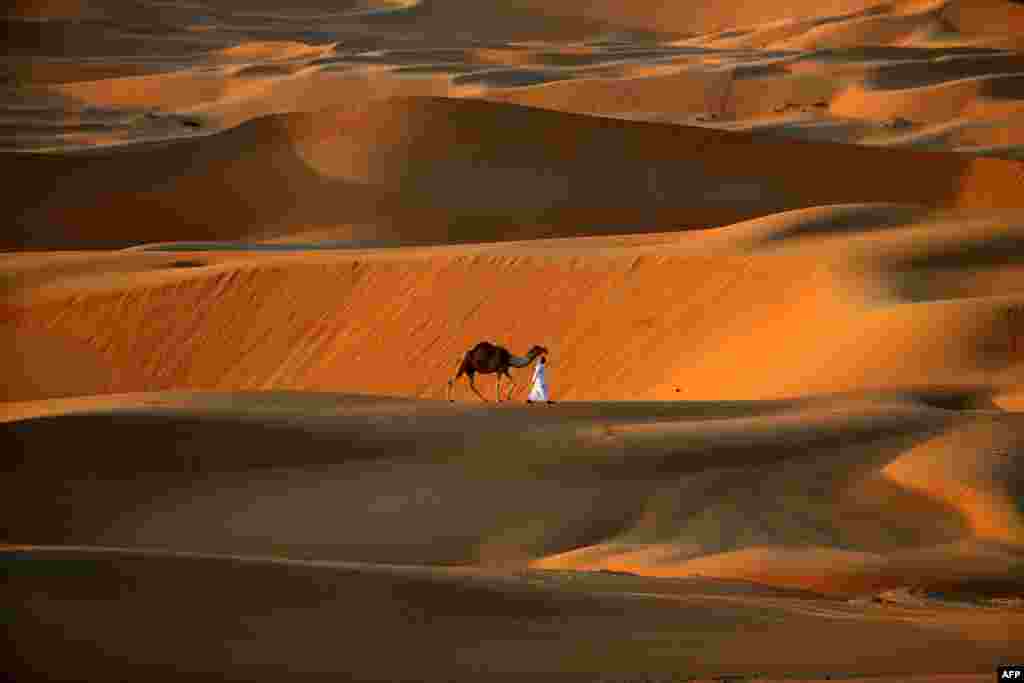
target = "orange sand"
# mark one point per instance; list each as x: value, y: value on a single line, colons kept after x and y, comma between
x: 776, y: 252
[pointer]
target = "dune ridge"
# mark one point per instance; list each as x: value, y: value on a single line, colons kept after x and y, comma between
x: 327, y: 170
x: 685, y: 305
x: 714, y: 62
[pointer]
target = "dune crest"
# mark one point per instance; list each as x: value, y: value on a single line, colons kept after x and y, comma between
x: 686, y: 305
x: 436, y: 169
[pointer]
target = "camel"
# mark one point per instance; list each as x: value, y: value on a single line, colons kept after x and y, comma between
x: 486, y: 358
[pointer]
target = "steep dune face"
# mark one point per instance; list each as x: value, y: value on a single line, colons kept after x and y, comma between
x: 30, y: 371
x: 626, y: 318
x: 214, y: 188
x: 435, y: 147
x: 466, y: 170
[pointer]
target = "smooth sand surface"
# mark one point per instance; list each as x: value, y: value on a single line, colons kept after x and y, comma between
x: 673, y: 494
x: 430, y: 169
x: 775, y: 250
x: 663, y: 316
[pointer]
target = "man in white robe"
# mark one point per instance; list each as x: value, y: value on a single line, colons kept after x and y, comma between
x: 539, y: 388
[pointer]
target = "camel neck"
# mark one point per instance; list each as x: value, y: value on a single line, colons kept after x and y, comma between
x: 520, y: 361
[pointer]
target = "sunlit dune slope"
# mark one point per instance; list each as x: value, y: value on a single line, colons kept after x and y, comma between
x: 799, y: 23
x: 444, y: 17
x: 970, y: 98
x: 988, y: 18
x: 833, y: 298
x: 704, y: 17
x: 677, y: 95
x: 436, y: 169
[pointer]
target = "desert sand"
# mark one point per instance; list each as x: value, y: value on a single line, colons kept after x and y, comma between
x: 775, y: 250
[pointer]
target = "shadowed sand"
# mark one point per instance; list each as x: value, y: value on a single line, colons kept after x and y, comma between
x: 268, y: 618
x: 630, y: 487
x: 776, y: 252
x: 437, y: 170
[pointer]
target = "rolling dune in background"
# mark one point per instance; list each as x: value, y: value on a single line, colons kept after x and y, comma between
x: 437, y: 170
x: 776, y: 252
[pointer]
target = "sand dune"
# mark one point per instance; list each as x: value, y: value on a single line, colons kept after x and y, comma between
x: 356, y: 490
x: 988, y: 18
x: 678, y: 97
x: 209, y: 77
x: 861, y: 30
x: 926, y: 104
x: 776, y: 252
x: 30, y: 370
x: 295, y: 607
x: 435, y: 169
x: 710, y: 18
x: 614, y: 474
x: 685, y: 306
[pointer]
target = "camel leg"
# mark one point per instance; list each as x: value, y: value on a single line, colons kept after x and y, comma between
x: 451, y: 385
x: 472, y: 385
x: 512, y: 389
x: 459, y: 371
x: 497, y: 388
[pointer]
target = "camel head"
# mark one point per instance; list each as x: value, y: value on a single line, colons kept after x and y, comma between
x: 536, y: 351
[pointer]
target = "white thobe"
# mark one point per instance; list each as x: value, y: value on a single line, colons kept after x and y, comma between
x: 539, y: 390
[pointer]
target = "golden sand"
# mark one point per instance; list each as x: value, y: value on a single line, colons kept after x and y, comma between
x: 776, y: 252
